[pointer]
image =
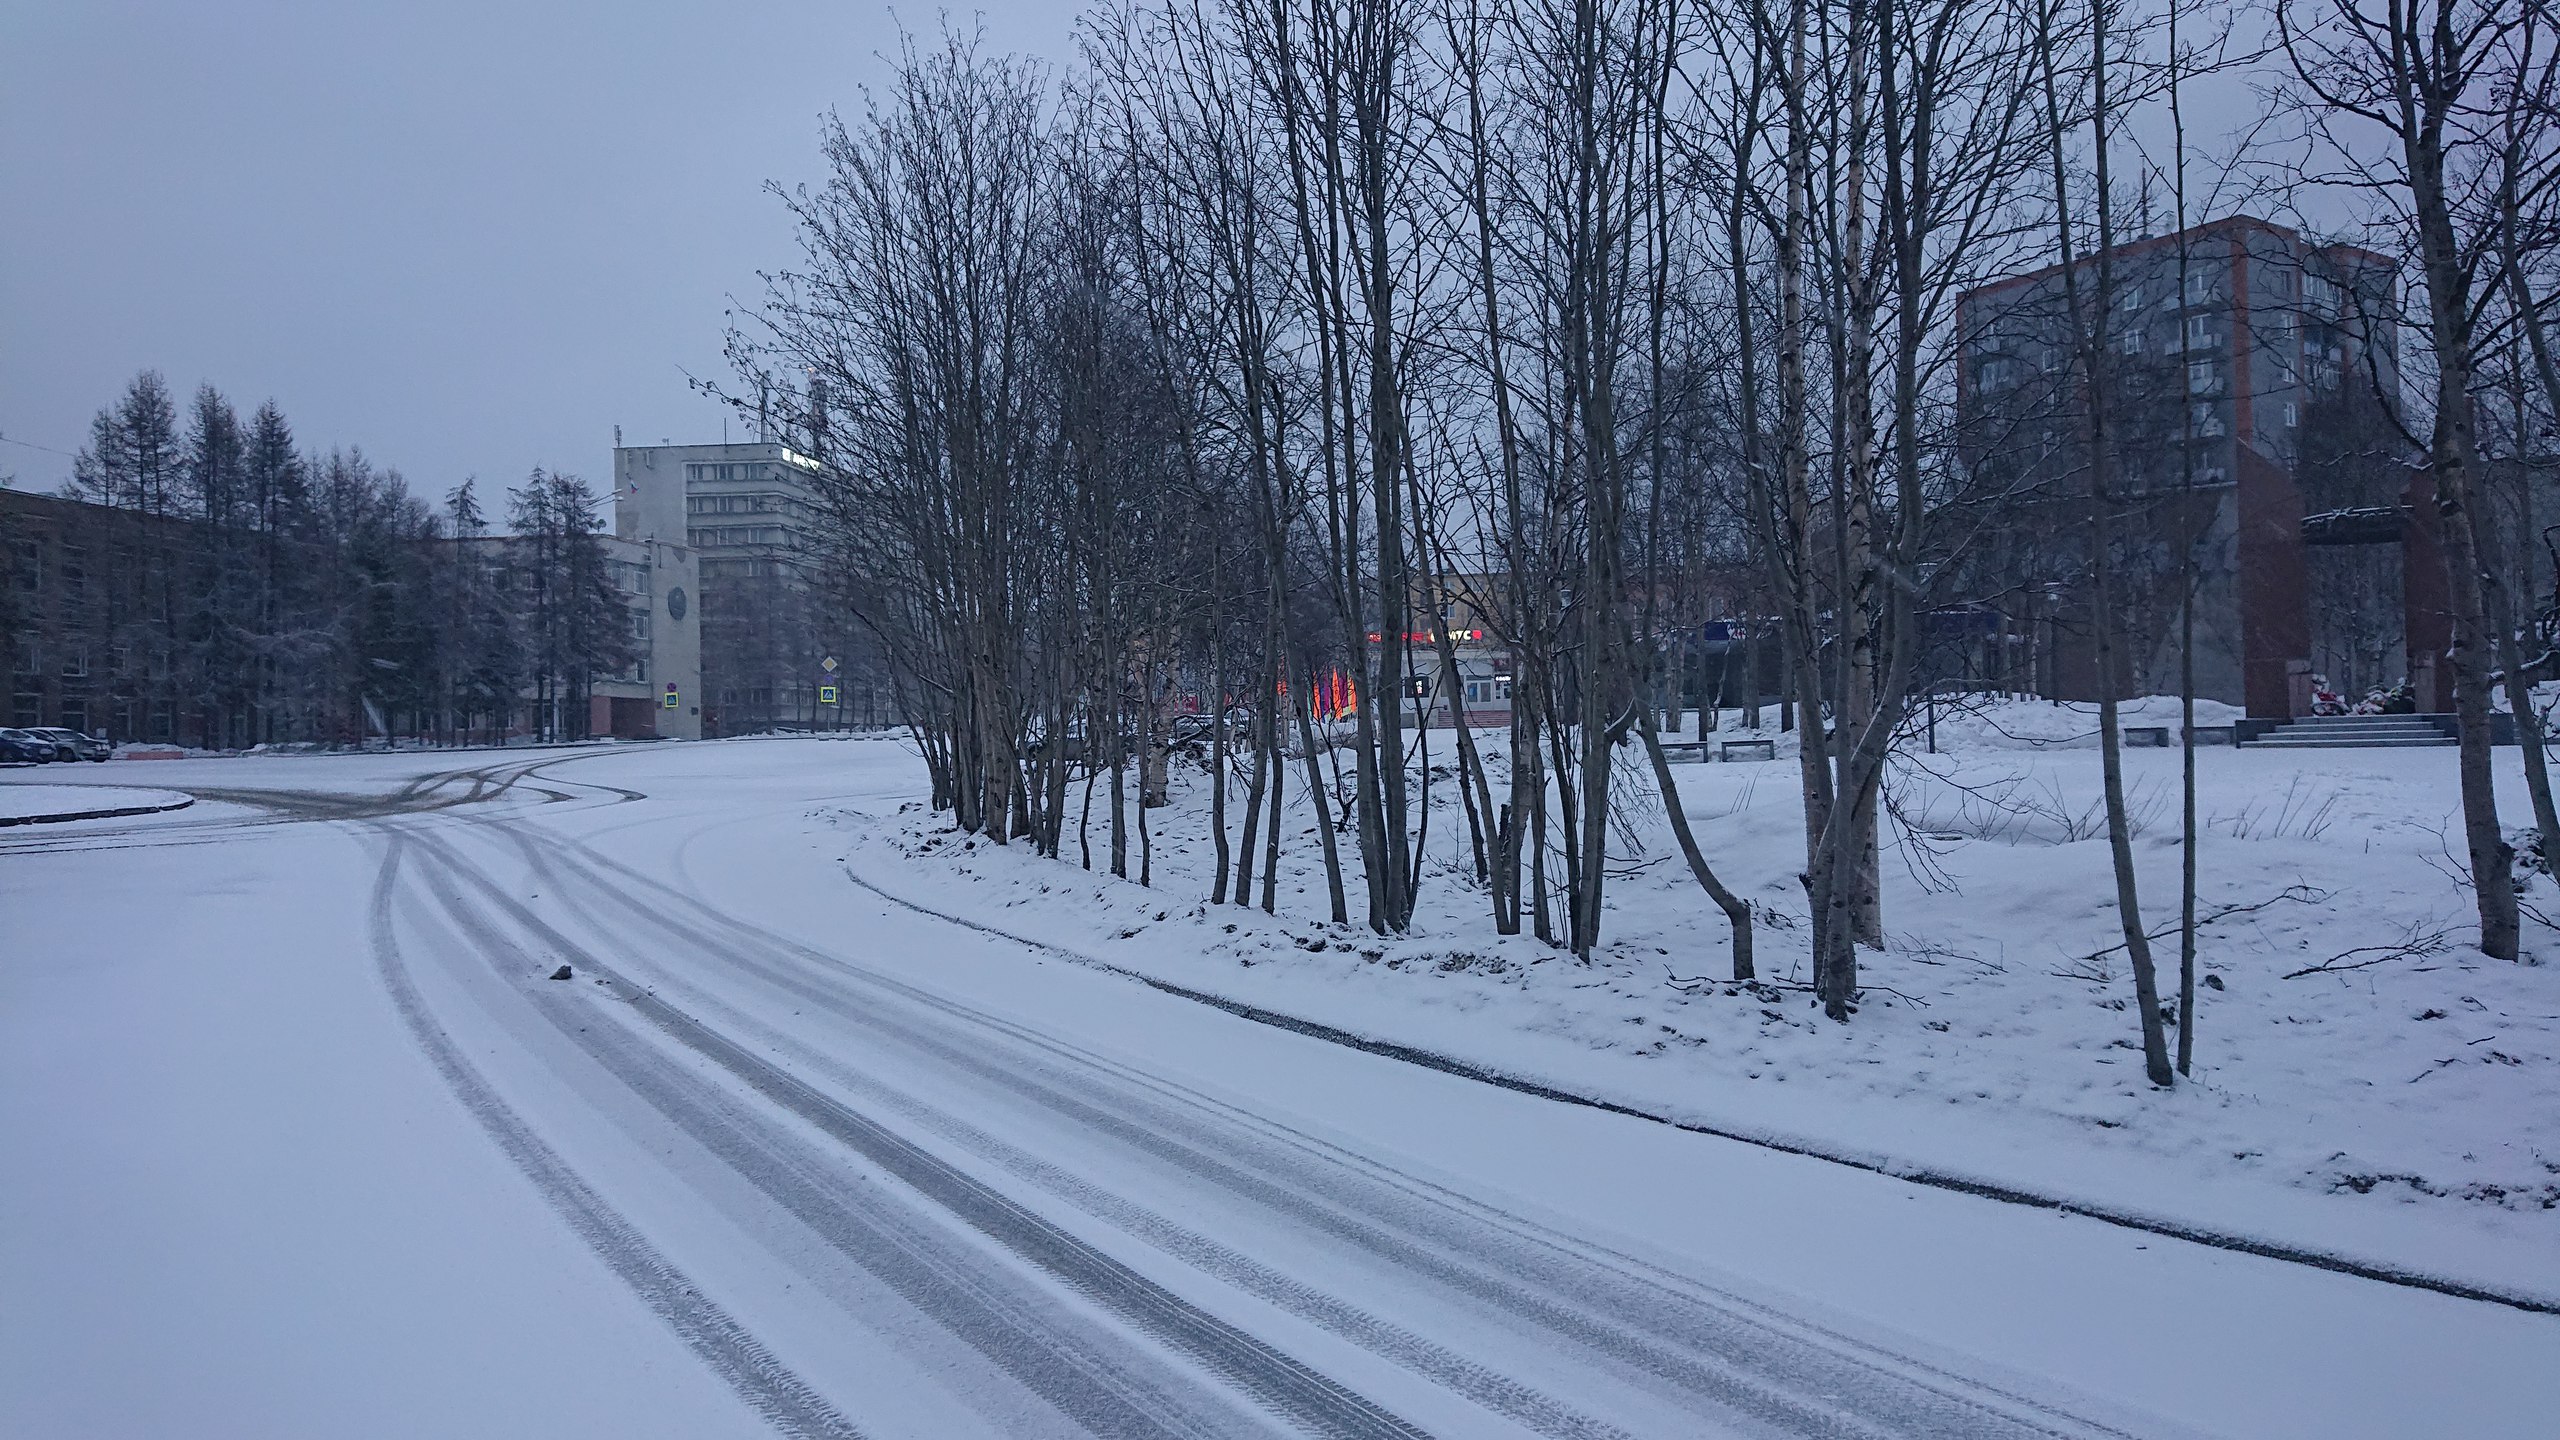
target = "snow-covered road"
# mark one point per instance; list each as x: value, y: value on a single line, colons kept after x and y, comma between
x: 298, y: 1138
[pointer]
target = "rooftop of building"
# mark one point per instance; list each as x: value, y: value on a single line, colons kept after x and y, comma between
x: 2229, y: 227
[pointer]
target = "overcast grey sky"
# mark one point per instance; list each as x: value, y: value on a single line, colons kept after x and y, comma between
x: 470, y: 236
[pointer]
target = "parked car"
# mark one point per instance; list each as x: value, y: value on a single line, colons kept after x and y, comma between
x: 72, y: 745
x: 17, y: 747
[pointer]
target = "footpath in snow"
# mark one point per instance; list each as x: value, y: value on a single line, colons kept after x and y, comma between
x: 2367, y: 1084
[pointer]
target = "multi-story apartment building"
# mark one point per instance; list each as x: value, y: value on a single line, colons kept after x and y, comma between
x: 751, y: 513
x: 2247, y: 419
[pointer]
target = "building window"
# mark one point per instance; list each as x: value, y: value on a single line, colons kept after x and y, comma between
x: 75, y: 660
x: 2132, y: 342
x: 2199, y: 287
x: 2200, y: 378
x: 75, y: 714
x: 75, y: 574
x: 30, y: 566
x: 26, y: 708
x: 2292, y: 415
x: 2200, y: 332
x: 29, y: 661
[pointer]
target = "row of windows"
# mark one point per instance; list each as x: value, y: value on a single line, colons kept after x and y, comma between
x: 72, y: 569
x: 744, y: 535
x: 2318, y: 362
x: 2321, y: 294
x: 2017, y: 331
x: 75, y: 713
x: 129, y: 719
x: 743, y: 470
x: 759, y: 567
x: 71, y: 659
x: 761, y: 504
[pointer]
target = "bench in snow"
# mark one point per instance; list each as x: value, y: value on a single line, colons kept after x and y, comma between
x: 1750, y: 749
x: 2155, y: 736
x: 1684, y: 751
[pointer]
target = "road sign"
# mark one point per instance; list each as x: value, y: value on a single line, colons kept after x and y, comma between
x: 826, y: 694
x: 670, y: 702
x: 828, y: 664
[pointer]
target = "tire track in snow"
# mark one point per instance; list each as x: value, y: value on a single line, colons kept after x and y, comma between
x: 1104, y: 1402
x: 716, y: 1338
x: 1772, y: 1368
x: 1478, y: 1383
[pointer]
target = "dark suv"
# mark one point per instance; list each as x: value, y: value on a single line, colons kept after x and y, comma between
x: 72, y: 745
x: 17, y: 747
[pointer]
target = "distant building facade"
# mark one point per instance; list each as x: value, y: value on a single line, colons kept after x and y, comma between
x: 104, y: 613
x: 752, y: 515
x: 661, y: 694
x: 2249, y: 418
x: 90, y: 598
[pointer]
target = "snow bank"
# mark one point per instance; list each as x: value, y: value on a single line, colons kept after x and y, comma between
x: 2401, y: 1102
x: 31, y: 801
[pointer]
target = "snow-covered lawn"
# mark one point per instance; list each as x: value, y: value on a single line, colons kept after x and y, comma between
x: 2400, y: 1107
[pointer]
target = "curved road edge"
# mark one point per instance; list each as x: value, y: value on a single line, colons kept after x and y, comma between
x: 181, y: 803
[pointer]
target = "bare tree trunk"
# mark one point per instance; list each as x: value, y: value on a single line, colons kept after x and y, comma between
x: 1316, y: 802
x: 2529, y: 733
x: 1736, y: 911
x: 1217, y: 708
x: 2188, y: 831
x: 1790, y: 541
x: 2453, y: 457
x: 1271, y: 842
x: 2089, y: 324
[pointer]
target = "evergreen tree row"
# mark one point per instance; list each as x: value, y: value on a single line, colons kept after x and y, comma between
x: 255, y: 593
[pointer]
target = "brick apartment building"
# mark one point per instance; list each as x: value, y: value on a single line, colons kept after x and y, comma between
x: 2250, y: 409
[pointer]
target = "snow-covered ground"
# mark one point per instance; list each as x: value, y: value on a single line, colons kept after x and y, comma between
x: 2403, y: 1109
x: 296, y: 1139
